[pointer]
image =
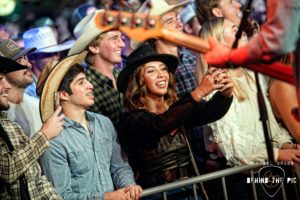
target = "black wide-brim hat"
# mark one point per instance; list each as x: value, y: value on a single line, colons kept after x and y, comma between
x: 7, y: 65
x: 140, y: 56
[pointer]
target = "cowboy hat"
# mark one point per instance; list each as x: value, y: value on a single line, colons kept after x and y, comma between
x: 44, y: 40
x: 8, y: 65
x: 53, y: 81
x: 85, y: 31
x: 140, y: 56
x: 9, y: 49
x: 158, y: 8
x: 43, y: 76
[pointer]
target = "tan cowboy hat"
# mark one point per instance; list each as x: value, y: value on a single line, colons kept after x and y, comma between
x: 159, y: 8
x: 85, y: 31
x: 53, y: 81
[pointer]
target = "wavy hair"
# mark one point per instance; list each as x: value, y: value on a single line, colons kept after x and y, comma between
x: 136, y: 92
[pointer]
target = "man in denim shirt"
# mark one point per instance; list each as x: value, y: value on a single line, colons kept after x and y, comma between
x: 86, y: 161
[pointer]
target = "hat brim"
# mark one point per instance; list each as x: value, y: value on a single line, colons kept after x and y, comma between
x: 84, y: 40
x: 23, y: 52
x: 53, y: 82
x: 9, y: 65
x: 169, y: 60
x: 56, y: 48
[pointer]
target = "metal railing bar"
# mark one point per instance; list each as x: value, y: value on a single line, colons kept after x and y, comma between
x: 253, y: 186
x: 198, y: 179
x: 224, y: 188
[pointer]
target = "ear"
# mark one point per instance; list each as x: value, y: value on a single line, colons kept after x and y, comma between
x: 217, y: 12
x: 64, y: 96
x: 187, y: 28
x: 94, y: 49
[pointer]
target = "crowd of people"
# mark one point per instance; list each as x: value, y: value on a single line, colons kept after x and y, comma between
x: 102, y: 116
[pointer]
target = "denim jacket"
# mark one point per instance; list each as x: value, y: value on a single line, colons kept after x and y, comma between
x: 84, y: 165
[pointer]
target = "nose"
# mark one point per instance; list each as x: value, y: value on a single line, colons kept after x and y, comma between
x: 121, y: 43
x: 89, y: 85
x: 7, y: 85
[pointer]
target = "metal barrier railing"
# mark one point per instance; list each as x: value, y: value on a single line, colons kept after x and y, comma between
x: 207, y: 177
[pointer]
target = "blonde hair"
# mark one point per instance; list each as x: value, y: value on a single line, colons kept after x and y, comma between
x: 136, y: 92
x: 214, y: 28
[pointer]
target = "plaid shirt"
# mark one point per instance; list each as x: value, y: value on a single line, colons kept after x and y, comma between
x: 185, y: 74
x: 186, y: 83
x: 23, y: 160
x: 108, y: 100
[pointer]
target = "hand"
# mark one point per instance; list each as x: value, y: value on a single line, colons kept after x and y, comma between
x: 286, y: 155
x: 54, y: 124
x: 207, y: 85
x: 227, y: 90
x: 120, y: 194
x: 218, y: 54
x: 134, y: 192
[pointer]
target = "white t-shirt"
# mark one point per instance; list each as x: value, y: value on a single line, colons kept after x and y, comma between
x: 26, y: 114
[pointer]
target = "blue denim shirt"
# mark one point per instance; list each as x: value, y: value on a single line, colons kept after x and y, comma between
x: 83, y: 166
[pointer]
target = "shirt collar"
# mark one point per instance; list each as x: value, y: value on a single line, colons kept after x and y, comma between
x: 99, y: 77
x: 69, y: 122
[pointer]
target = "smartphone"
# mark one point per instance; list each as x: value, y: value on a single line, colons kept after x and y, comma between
x: 56, y: 100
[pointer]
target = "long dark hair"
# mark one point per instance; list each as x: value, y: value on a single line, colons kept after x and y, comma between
x: 135, y: 95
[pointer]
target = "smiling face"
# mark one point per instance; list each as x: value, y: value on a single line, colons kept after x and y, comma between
x: 82, y: 92
x: 21, y: 78
x: 229, y: 32
x: 156, y: 78
x: 4, y: 89
x: 171, y: 20
x: 109, y: 47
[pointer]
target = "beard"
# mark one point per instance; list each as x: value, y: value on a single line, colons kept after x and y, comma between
x: 4, y: 107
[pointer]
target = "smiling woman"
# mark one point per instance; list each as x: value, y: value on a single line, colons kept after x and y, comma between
x: 153, y: 129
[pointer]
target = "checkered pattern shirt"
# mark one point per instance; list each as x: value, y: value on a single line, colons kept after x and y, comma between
x: 185, y: 74
x: 186, y: 83
x: 23, y: 160
x: 108, y: 100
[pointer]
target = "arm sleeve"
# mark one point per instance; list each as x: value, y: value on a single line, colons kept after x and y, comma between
x: 121, y: 172
x: 55, y: 166
x: 45, y: 187
x: 14, y: 164
x: 146, y: 126
x: 210, y: 111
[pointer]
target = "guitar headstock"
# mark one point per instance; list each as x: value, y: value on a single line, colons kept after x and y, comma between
x: 137, y: 26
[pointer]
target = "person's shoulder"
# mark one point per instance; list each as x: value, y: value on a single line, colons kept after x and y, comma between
x: 97, y: 117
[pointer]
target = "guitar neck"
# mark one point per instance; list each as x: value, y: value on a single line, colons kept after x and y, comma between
x: 189, y: 41
x: 275, y: 69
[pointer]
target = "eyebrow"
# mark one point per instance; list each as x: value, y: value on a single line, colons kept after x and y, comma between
x: 162, y: 64
x: 80, y: 79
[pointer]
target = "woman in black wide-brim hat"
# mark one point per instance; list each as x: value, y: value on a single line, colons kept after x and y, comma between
x: 153, y: 128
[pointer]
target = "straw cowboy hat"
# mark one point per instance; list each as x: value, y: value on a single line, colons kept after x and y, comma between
x: 85, y: 31
x: 159, y: 8
x: 53, y: 81
x: 44, y: 40
x: 9, y: 49
x: 140, y: 56
x: 8, y: 65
